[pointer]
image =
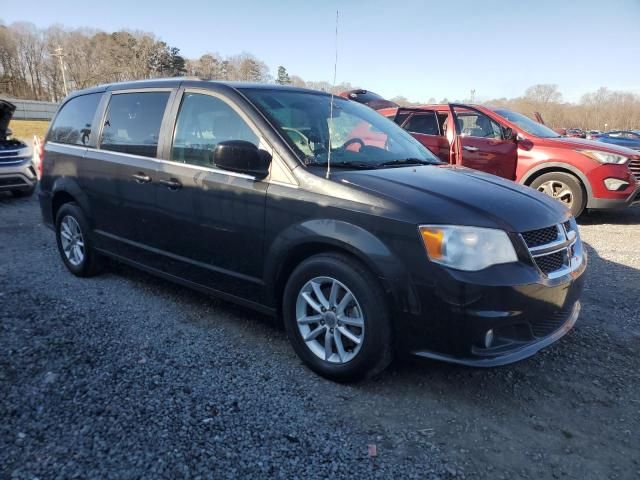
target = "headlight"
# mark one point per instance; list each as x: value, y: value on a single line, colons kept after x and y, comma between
x: 467, y: 248
x: 604, y: 157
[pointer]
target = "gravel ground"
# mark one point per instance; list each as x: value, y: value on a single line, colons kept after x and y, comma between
x: 128, y: 376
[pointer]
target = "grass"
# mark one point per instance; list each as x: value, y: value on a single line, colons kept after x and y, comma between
x: 26, y: 129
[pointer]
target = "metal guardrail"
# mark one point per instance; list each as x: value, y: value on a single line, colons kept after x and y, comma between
x: 33, y: 109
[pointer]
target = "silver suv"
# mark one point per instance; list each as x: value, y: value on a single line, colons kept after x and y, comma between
x: 17, y: 172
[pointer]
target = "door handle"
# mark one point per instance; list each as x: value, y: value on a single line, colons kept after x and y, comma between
x: 470, y: 149
x: 171, y: 184
x: 141, y: 177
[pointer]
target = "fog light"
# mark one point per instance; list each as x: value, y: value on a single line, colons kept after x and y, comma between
x: 615, y: 184
x: 488, y: 339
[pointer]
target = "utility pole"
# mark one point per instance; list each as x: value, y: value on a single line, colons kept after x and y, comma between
x: 59, y: 53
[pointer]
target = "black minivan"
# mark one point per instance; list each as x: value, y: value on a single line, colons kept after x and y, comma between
x: 317, y: 210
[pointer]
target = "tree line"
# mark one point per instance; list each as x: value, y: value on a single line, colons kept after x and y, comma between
x: 32, y: 61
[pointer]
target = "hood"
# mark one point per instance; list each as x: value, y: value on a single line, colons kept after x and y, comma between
x: 459, y: 196
x: 6, y: 112
x: 572, y: 142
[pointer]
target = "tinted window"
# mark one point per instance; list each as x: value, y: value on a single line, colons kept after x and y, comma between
x: 133, y: 122
x: 423, y: 123
x: 72, y: 125
x: 400, y: 118
x: 203, y: 122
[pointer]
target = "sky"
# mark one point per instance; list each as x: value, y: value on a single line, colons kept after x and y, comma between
x: 417, y: 49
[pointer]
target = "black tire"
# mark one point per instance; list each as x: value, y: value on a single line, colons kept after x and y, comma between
x: 23, y: 193
x: 92, y: 262
x: 578, y: 196
x: 376, y: 350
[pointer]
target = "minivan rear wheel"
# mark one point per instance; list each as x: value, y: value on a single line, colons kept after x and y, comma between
x: 563, y: 187
x: 74, y: 242
x: 337, y: 319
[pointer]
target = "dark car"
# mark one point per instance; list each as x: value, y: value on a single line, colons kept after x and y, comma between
x: 17, y: 172
x: 264, y: 196
x: 368, y: 98
x: 576, y: 133
x: 624, y: 138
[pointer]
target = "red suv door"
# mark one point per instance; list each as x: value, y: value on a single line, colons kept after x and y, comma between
x: 425, y: 127
x: 480, y: 142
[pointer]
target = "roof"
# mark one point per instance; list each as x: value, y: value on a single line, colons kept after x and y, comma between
x: 191, y: 81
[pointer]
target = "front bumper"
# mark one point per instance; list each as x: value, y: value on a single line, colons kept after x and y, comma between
x: 18, y: 176
x: 524, y: 318
x: 606, y: 203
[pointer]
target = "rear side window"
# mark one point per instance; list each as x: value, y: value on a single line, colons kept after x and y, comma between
x: 74, y: 121
x: 425, y: 123
x: 400, y: 118
x: 132, y: 123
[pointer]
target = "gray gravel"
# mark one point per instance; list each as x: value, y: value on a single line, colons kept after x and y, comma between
x: 128, y: 376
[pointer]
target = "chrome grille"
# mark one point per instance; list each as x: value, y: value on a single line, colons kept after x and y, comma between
x: 634, y: 166
x: 552, y: 262
x: 535, y: 238
x: 555, y: 250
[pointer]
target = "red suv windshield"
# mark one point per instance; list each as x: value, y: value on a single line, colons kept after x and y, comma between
x: 526, y: 124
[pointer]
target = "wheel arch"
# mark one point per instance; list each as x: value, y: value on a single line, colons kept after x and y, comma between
x: 549, y: 167
x: 66, y: 190
x: 317, y: 236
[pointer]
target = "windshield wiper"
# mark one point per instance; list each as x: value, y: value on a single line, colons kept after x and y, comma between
x: 344, y: 164
x: 406, y: 161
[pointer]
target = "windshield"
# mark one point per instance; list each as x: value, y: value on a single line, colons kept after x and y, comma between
x: 356, y: 135
x: 526, y: 124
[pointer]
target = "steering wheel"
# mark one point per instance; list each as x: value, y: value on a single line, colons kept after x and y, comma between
x: 351, y: 141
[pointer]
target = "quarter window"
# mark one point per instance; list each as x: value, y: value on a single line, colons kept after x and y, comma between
x: 203, y: 122
x: 133, y: 122
x: 73, y: 123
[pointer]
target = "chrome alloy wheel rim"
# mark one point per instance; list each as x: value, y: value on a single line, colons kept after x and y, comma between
x: 72, y: 241
x: 558, y: 190
x: 330, y: 320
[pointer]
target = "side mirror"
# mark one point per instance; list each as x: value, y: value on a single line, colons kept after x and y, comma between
x: 8, y: 132
x: 242, y: 157
x: 510, y: 134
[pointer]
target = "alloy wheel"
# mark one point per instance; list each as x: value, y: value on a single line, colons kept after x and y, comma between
x: 558, y: 190
x: 330, y: 320
x: 72, y: 240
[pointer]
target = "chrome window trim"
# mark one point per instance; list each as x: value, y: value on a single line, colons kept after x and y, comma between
x: 64, y: 145
x: 159, y: 160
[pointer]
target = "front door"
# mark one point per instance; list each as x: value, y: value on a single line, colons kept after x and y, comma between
x: 480, y: 143
x: 210, y: 222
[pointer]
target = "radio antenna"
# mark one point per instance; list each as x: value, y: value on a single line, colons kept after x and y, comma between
x: 333, y: 86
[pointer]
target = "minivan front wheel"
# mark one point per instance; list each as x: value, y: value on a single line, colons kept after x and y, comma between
x: 74, y: 242
x: 337, y: 319
x: 565, y: 188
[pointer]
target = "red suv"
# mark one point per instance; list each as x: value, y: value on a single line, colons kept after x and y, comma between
x: 580, y: 173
